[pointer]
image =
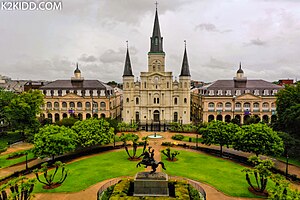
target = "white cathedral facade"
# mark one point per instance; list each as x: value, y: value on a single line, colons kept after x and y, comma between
x: 156, y: 99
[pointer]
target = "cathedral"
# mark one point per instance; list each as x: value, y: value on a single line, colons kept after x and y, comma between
x: 156, y: 99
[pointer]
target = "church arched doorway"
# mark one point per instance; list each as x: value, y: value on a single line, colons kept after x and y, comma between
x: 156, y: 116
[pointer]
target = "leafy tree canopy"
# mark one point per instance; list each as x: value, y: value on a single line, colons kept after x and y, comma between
x: 258, y: 139
x: 288, y: 110
x: 93, y: 131
x: 218, y: 132
x: 23, y: 109
x: 53, y: 140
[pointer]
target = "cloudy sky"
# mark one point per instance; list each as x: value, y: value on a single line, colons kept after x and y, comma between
x: 263, y: 34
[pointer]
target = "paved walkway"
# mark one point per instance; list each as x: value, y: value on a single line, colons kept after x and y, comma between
x: 90, y: 193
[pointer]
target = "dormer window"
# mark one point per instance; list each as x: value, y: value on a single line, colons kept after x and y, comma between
x: 219, y: 92
x: 266, y: 92
x: 256, y: 92
x: 275, y: 92
x: 211, y: 92
x: 228, y: 92
x: 247, y: 91
x: 238, y: 92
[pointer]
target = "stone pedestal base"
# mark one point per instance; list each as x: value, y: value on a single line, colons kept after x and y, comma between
x: 146, y: 184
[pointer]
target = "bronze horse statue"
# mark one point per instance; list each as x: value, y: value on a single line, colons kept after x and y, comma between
x: 148, y: 160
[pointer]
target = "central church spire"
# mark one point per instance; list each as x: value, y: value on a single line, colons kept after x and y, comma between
x: 156, y: 45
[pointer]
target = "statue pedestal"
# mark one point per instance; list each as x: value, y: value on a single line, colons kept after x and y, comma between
x: 146, y: 184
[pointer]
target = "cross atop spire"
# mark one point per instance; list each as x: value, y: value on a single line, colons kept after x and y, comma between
x: 184, y: 43
x: 156, y: 5
x: 127, y: 43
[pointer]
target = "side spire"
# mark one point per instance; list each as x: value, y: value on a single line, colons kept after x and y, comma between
x: 185, y: 69
x: 156, y: 39
x: 127, y: 67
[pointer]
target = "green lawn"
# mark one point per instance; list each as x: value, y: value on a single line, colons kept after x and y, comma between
x: 6, y: 163
x: 291, y: 161
x: 87, y: 172
x: 186, y: 139
x: 10, y: 138
x: 224, y: 175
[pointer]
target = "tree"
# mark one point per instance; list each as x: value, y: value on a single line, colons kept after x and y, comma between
x: 219, y: 133
x: 5, y: 99
x: 252, y: 120
x: 93, y: 131
x: 68, y: 122
x: 288, y: 110
x: 132, y: 138
x: 261, y: 173
x: 50, y: 177
x: 20, y: 189
x: 23, y: 109
x: 170, y: 155
x: 258, y: 139
x: 53, y: 140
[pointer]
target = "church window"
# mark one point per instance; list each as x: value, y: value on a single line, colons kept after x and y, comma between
x: 185, y: 100
x: 167, y: 84
x: 185, y: 85
x: 137, y: 100
x: 175, y: 100
x: 127, y: 100
x: 145, y: 84
x: 157, y: 100
x: 127, y: 85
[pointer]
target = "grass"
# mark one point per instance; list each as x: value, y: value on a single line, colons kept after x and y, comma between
x: 224, y: 175
x: 9, y: 138
x: 89, y: 171
x: 194, y: 139
x: 291, y: 161
x: 6, y: 163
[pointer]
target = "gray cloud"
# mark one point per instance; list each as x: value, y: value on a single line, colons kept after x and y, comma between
x: 86, y: 58
x: 258, y: 42
x: 115, y: 56
x: 210, y: 28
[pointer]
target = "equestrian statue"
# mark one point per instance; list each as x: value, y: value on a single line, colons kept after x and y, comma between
x: 148, y: 160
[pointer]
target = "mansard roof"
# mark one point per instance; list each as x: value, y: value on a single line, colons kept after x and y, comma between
x: 68, y: 84
x: 250, y: 84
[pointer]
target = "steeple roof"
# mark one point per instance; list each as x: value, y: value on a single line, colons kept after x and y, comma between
x: 156, y: 39
x: 185, y: 69
x: 77, y: 69
x: 240, y: 69
x: 127, y: 67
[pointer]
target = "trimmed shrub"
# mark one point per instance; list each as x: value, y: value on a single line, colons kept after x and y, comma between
x: 177, y: 137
